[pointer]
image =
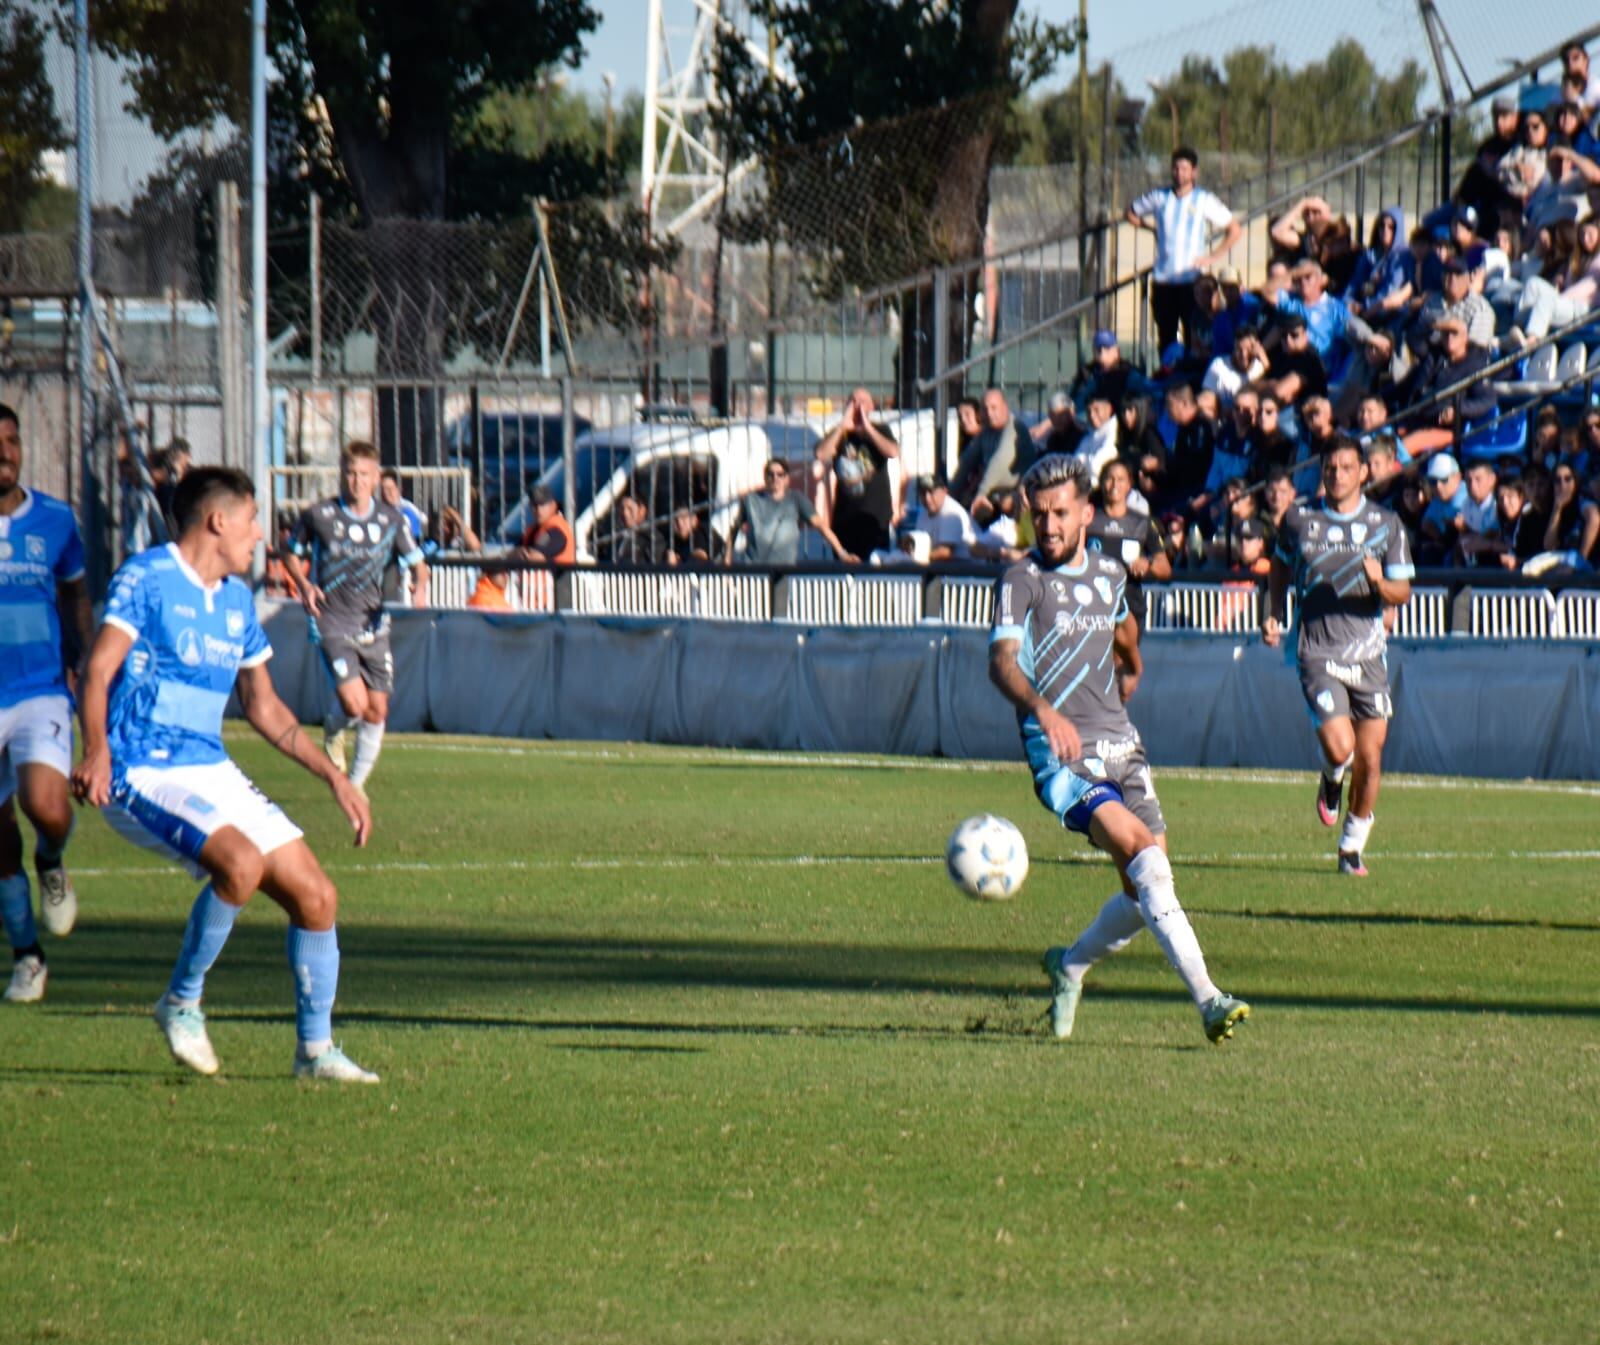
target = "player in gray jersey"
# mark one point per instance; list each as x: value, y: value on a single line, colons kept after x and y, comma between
x: 1064, y: 651
x: 1348, y: 560
x: 342, y: 547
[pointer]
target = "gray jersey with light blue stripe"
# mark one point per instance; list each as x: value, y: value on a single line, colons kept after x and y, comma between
x: 1065, y: 621
x: 1339, y: 614
x: 348, y: 555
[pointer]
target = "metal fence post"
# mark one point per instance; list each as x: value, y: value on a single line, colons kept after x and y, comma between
x: 941, y: 360
x: 569, y: 453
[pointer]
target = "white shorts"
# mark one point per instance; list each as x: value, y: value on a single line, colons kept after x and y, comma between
x: 173, y: 810
x: 34, y: 732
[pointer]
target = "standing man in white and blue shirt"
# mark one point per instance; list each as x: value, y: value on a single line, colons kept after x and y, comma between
x: 180, y: 634
x: 1183, y: 216
x: 42, y: 597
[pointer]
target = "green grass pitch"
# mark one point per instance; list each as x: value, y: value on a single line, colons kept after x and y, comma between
x: 698, y: 1046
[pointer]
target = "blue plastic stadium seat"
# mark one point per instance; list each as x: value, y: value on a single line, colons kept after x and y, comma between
x: 1508, y: 439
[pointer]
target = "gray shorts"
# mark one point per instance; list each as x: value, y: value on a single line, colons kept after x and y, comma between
x: 357, y: 652
x: 1072, y: 790
x: 1335, y: 690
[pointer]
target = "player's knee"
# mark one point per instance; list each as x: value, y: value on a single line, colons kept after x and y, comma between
x: 237, y: 872
x: 318, y: 902
x: 50, y: 816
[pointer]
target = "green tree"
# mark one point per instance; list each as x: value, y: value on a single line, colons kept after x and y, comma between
x: 28, y: 122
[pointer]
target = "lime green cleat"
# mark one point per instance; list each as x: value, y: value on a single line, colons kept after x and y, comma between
x: 1064, y: 994
x: 1220, y: 1015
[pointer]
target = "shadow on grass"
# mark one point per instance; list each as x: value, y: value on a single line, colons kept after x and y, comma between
x: 424, y: 970
x: 1460, y: 921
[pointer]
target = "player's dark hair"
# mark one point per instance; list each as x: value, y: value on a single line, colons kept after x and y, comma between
x: 203, y: 489
x: 1185, y: 152
x: 390, y: 474
x: 359, y: 448
x: 1338, y: 442
x: 1054, y: 470
x: 6, y: 413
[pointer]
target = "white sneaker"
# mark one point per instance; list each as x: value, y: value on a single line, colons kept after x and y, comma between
x: 185, y: 1029
x: 333, y: 1065
x: 58, y: 901
x: 28, y: 980
x: 333, y: 745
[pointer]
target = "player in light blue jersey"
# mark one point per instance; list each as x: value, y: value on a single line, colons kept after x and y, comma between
x: 42, y: 600
x: 180, y: 633
x: 1065, y: 652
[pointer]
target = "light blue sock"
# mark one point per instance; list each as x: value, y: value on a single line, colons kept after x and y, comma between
x: 210, y: 922
x: 16, y: 909
x: 47, y: 855
x: 314, y: 960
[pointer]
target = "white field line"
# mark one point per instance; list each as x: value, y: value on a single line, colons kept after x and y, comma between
x: 581, y: 863
x: 700, y: 756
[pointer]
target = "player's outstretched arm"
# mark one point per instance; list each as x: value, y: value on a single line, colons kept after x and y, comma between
x: 1007, y: 674
x: 91, y: 777
x: 1277, y: 603
x: 275, y: 721
x: 311, y: 597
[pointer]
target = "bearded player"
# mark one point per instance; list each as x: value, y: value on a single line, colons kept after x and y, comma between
x: 1065, y: 652
x: 1349, y: 561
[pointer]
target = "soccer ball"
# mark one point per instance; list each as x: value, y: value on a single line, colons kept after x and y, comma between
x: 987, y: 858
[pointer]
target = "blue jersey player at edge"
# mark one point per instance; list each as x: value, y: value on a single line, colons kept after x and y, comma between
x: 43, y: 598
x: 179, y: 634
x: 1065, y: 652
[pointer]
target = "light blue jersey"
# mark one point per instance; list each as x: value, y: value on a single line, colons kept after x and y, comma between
x: 189, y: 642
x: 39, y: 548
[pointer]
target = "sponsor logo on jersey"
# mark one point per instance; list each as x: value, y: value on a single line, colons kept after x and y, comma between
x: 1082, y: 593
x: 36, y: 551
x: 179, y: 609
x: 1116, y: 749
x: 1080, y: 623
x: 355, y: 532
x: 5, y: 550
x: 1358, y: 533
x: 1335, y: 534
x: 374, y: 532
x: 1102, y: 586
x: 235, y: 623
x: 188, y: 645
x: 1347, y: 673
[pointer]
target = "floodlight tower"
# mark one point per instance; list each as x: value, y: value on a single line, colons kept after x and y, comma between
x: 682, y: 170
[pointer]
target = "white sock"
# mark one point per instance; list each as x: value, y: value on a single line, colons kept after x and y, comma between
x: 1335, y: 774
x: 1151, y: 875
x: 1109, y: 932
x: 1353, y: 839
x: 369, y: 742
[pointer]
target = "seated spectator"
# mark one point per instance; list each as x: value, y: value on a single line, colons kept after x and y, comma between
x: 940, y: 515
x: 1563, y: 193
x: 1247, y: 550
x: 489, y: 594
x: 1229, y: 372
x: 999, y: 540
x: 456, y: 534
x: 1521, y: 171
x: 1138, y: 437
x: 1150, y: 474
x: 1294, y: 233
x: 1317, y: 437
x: 1412, y: 502
x: 1574, y: 524
x: 1274, y: 446
x: 1544, y: 444
x: 1234, y: 453
x: 997, y: 457
x: 1107, y: 373
x: 1455, y: 300
x: 1237, y: 308
x: 860, y: 451
x: 1442, y: 520
x: 1571, y: 124
x: 1385, y: 272
x: 1577, y: 68
x: 770, y: 521
x: 1059, y: 431
x: 1296, y: 370
x: 1574, y: 293
x: 1585, y: 458
x: 1098, y: 444
x: 1189, y: 462
x: 1521, y: 528
x: 969, y: 423
x: 636, y: 541
x: 389, y: 490
x: 1277, y: 498
x: 1454, y: 366
x: 1337, y: 253
x: 549, y: 540
x: 1480, y: 516
x: 691, y: 542
x: 1385, y: 478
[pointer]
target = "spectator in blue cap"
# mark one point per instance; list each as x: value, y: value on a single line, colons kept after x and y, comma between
x: 1108, y: 375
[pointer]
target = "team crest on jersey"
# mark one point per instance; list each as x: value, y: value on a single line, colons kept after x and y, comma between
x: 355, y: 532
x: 1335, y: 533
x: 36, y: 549
x: 235, y: 624
x: 1102, y: 586
x: 1358, y: 533
x: 374, y: 532
x: 189, y: 653
x: 1081, y: 593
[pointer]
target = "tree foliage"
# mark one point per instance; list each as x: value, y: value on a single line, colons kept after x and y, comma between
x: 28, y: 122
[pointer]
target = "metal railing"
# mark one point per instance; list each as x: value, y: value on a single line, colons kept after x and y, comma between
x: 1445, y: 604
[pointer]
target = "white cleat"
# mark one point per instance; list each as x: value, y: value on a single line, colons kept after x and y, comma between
x: 333, y: 745
x: 58, y: 901
x: 184, y: 1027
x: 333, y: 1065
x: 28, y: 979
